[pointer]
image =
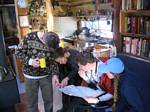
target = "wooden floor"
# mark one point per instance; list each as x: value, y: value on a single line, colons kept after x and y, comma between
x: 21, y: 107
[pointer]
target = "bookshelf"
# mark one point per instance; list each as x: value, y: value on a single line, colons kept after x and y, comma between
x: 135, y: 28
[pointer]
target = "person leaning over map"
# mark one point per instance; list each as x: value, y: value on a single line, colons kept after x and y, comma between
x: 98, y: 75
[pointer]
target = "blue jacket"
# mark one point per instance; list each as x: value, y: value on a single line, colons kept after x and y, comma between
x: 130, y: 94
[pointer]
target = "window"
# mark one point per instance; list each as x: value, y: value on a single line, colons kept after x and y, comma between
x: 103, y: 27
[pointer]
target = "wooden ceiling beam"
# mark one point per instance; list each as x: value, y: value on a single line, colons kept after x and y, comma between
x: 77, y: 3
x: 81, y: 2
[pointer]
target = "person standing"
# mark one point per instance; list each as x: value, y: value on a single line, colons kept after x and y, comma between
x: 36, y: 52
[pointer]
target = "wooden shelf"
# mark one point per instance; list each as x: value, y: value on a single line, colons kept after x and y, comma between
x: 92, y: 16
x: 134, y: 20
x: 132, y: 35
x: 136, y: 12
x: 43, y: 17
x: 84, y: 2
x: 137, y: 56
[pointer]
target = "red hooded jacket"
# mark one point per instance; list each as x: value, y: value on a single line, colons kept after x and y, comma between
x: 106, y: 84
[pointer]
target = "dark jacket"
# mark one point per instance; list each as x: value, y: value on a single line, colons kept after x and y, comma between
x: 130, y: 97
x: 70, y: 69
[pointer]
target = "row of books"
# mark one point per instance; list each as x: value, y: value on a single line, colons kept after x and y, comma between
x: 135, y: 4
x: 105, y: 1
x: 136, y: 46
x: 139, y: 25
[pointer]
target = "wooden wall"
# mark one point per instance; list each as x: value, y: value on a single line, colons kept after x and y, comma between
x: 22, y: 31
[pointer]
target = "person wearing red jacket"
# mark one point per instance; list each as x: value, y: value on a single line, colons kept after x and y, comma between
x: 112, y: 67
x: 99, y: 76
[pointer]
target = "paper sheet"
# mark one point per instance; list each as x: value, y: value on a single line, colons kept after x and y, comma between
x: 80, y: 91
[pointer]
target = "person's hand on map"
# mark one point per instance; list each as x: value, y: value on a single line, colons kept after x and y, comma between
x: 92, y: 100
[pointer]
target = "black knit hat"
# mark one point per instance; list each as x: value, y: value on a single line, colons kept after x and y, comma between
x: 51, y: 39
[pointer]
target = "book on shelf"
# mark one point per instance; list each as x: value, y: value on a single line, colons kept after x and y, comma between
x: 139, y: 47
x: 141, y: 25
x: 147, y: 49
x: 146, y: 5
x: 125, y: 24
x: 138, y: 25
x: 136, y: 46
x: 127, y: 44
x: 133, y: 24
x: 139, y: 4
x: 147, y: 26
x: 143, y: 48
x: 129, y: 24
x: 135, y: 4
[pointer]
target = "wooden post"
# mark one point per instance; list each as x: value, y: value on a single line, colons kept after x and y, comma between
x: 50, y: 19
x: 97, y: 5
x: 117, y: 38
x: 22, y: 31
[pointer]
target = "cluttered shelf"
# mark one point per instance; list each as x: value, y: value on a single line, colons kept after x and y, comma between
x: 101, y: 51
x: 41, y: 17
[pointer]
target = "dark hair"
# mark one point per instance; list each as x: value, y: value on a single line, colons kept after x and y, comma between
x: 51, y: 39
x: 60, y: 52
x: 85, y: 57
